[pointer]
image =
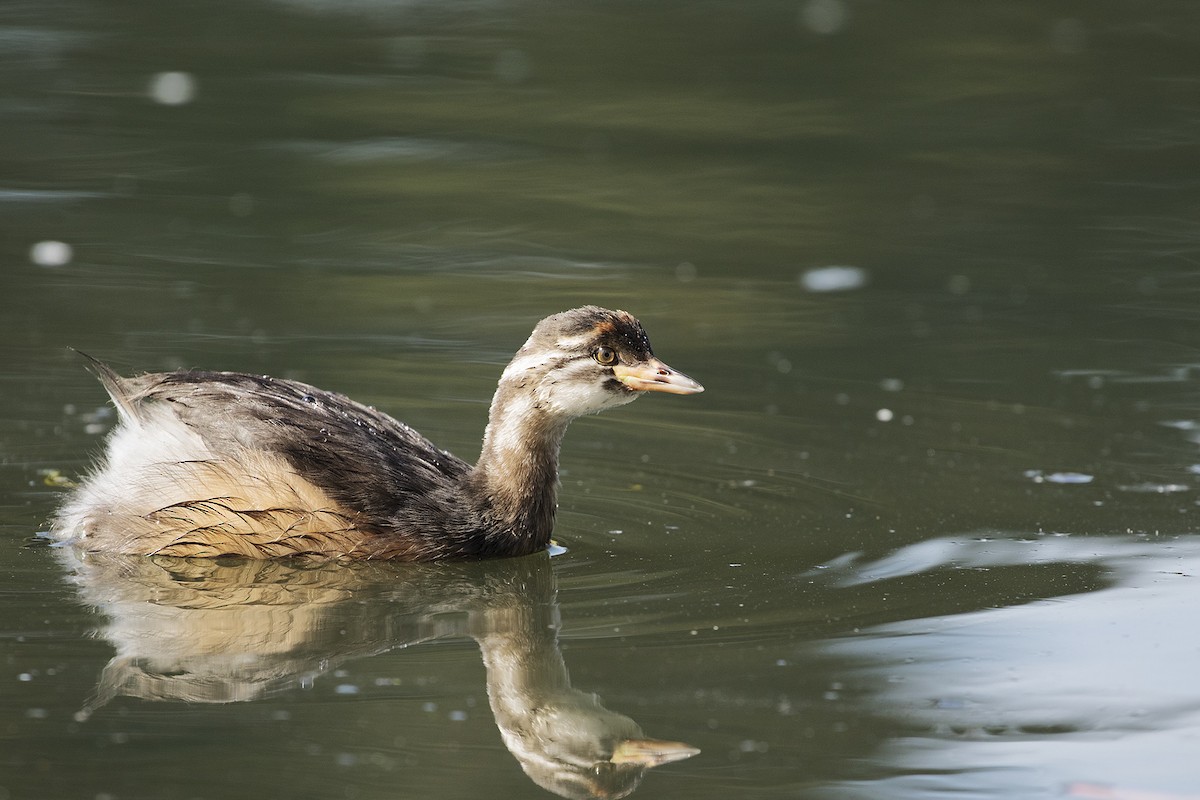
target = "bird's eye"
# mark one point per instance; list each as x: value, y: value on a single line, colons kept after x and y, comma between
x: 605, y: 356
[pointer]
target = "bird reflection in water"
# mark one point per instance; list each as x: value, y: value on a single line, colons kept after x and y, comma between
x: 221, y: 631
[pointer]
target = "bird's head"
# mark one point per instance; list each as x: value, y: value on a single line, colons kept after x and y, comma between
x: 590, y: 359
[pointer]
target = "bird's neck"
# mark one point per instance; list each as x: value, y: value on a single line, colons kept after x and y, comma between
x: 525, y: 668
x: 516, y: 476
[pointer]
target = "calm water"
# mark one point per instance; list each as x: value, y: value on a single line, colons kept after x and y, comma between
x: 931, y: 531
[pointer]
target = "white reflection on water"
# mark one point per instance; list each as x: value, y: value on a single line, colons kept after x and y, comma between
x: 1028, y: 700
x: 401, y: 149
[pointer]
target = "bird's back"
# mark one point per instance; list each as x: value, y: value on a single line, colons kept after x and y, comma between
x: 210, y: 463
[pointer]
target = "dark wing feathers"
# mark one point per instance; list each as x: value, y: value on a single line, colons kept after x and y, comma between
x: 359, y: 456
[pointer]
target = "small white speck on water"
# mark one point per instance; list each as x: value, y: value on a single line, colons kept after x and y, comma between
x: 172, y: 88
x: 1038, y: 476
x: 833, y: 279
x: 823, y: 17
x: 51, y: 253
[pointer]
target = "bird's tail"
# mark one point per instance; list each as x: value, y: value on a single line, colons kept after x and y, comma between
x: 114, y: 384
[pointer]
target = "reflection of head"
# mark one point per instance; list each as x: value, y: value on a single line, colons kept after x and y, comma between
x: 564, y: 739
x: 578, y: 749
x: 201, y: 630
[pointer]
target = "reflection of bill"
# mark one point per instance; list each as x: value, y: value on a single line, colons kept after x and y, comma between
x: 201, y: 631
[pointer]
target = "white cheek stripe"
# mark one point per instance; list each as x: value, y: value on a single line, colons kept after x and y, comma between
x: 522, y: 364
x: 532, y: 361
x: 575, y: 342
x: 567, y: 347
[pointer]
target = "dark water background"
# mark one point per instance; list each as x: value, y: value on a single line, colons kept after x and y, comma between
x: 931, y: 531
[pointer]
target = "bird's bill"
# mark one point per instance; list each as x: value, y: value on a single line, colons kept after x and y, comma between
x: 655, y: 376
x: 651, y: 752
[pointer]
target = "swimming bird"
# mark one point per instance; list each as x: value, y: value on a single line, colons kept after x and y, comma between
x: 225, y: 463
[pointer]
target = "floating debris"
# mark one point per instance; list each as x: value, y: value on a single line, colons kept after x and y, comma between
x: 55, y: 478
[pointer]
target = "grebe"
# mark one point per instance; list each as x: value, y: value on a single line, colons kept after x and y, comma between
x: 223, y: 463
